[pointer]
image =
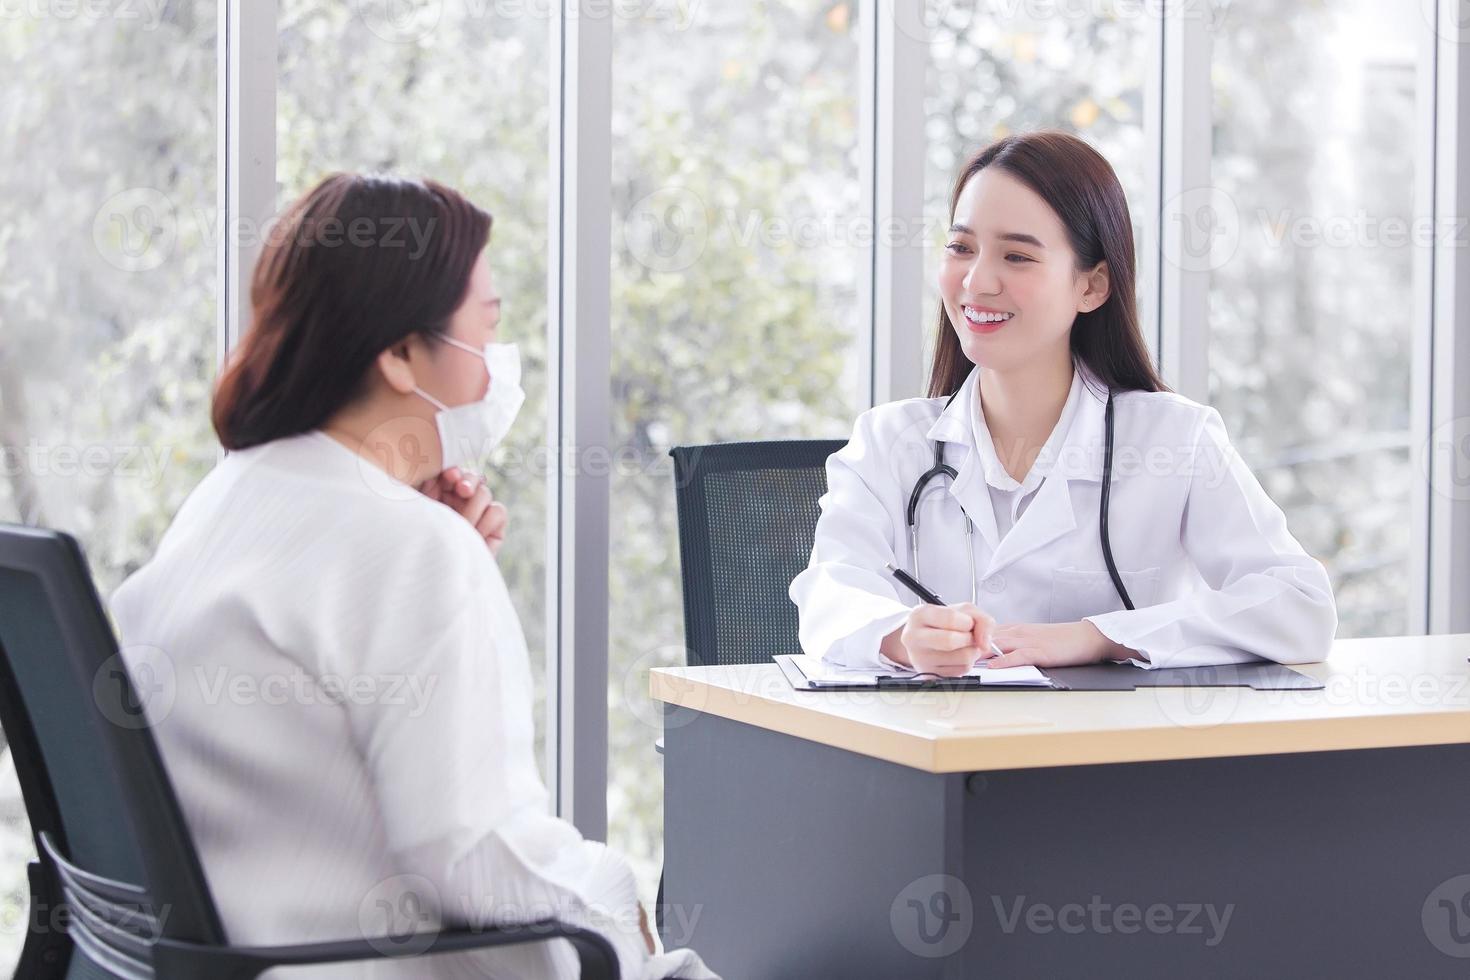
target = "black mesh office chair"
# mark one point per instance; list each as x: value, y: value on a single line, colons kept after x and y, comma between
x: 113, y: 847
x: 747, y: 515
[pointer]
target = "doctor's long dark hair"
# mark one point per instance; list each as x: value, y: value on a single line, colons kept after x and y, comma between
x: 1082, y: 189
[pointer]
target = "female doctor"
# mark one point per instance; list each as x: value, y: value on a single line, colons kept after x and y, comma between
x: 998, y: 492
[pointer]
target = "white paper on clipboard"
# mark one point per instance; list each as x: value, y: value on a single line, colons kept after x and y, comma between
x: 822, y: 674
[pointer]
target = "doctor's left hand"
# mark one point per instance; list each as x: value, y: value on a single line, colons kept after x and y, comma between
x: 1054, y: 645
x: 467, y: 495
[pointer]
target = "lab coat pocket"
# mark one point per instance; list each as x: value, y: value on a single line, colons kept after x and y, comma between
x: 1078, y: 592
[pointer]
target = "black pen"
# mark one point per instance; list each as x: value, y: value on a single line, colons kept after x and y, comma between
x: 913, y: 585
x: 918, y: 589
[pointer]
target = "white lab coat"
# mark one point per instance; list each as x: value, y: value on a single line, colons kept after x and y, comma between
x: 1213, y: 572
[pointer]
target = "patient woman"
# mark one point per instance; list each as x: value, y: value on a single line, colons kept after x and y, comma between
x: 331, y: 663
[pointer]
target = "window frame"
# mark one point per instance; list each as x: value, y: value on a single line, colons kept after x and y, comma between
x: 579, y: 405
x: 1442, y: 334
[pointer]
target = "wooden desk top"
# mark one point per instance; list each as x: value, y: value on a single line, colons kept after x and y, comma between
x: 1379, y: 693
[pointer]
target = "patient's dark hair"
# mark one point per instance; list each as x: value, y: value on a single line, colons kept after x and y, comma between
x: 355, y: 266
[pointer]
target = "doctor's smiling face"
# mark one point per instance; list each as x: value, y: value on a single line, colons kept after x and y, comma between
x: 1010, y: 280
x: 1038, y: 267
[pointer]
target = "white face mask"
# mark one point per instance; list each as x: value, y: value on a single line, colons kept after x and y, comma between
x: 467, y: 432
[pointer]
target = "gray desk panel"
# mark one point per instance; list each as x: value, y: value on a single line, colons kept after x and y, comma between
x: 786, y: 858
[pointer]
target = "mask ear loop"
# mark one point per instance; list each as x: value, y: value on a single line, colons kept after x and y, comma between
x: 445, y: 338
x: 430, y: 399
x: 455, y: 342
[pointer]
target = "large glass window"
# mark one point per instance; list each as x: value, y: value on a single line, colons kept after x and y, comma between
x: 1311, y: 293
x: 107, y: 294
x: 737, y: 250
x: 458, y: 93
x: 1076, y: 67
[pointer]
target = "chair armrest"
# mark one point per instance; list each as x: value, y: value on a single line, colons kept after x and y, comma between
x: 44, y: 955
x: 188, y: 961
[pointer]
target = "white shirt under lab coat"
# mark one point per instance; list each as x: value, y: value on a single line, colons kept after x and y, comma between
x: 341, y: 692
x: 1009, y: 498
x: 1214, y: 574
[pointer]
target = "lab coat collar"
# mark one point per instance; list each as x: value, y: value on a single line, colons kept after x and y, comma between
x: 1049, y: 515
x: 953, y: 424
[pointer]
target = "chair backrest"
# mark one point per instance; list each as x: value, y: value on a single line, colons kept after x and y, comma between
x: 747, y: 516
x: 107, y: 823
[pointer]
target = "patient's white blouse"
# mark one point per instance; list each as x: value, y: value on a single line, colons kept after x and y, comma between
x: 342, y: 696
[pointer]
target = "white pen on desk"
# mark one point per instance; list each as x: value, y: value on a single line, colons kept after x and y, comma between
x: 923, y: 592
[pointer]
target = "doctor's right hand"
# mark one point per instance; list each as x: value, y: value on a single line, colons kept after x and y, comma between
x: 945, y: 640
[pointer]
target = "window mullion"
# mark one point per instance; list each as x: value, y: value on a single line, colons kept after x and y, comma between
x: 246, y: 143
x: 1190, y: 212
x: 1448, y: 365
x: 579, y: 403
x: 895, y: 39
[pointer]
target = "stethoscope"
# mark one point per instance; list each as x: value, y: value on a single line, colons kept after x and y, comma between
x: 943, y: 469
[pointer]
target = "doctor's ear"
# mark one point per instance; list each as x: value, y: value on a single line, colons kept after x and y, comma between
x: 1096, y: 292
x: 393, y: 365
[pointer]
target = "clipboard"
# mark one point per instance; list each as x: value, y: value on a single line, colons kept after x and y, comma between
x: 908, y: 682
x: 1263, y: 676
